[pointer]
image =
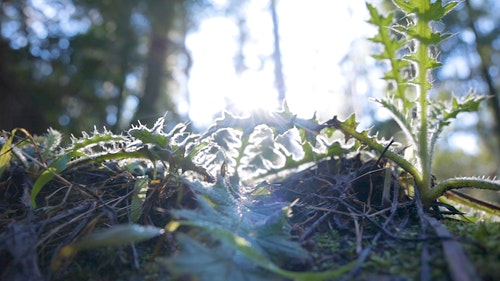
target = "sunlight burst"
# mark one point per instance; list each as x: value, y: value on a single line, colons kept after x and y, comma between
x: 311, y: 52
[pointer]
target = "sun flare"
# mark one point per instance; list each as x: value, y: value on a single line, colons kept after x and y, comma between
x: 311, y: 60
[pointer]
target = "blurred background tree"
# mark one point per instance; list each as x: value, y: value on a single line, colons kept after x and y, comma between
x: 471, y: 61
x: 75, y: 64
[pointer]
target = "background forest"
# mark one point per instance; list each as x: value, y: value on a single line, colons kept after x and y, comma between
x: 73, y: 65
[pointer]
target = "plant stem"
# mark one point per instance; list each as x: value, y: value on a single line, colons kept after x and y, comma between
x: 423, y: 85
x: 430, y: 195
x: 375, y: 145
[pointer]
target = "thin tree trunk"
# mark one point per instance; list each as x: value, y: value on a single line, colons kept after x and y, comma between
x: 126, y: 50
x: 17, y: 107
x: 150, y: 108
x: 278, y: 66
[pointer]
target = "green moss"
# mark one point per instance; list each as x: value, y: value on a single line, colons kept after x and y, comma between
x: 399, y: 260
x: 481, y: 242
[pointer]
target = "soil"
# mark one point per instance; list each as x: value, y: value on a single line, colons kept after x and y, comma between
x: 348, y: 210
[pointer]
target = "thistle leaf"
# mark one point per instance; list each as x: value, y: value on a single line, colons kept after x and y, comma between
x: 437, y: 11
x: 469, y: 103
x: 443, y: 114
x: 245, y: 232
x: 212, y: 264
x: 391, y: 48
x: 52, y: 141
x: 405, y: 122
x: 406, y: 6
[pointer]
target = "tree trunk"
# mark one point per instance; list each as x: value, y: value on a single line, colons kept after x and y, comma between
x: 494, y: 102
x: 126, y: 52
x: 278, y: 65
x: 17, y: 108
x: 150, y: 108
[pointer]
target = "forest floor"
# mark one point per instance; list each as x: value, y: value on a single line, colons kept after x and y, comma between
x: 340, y: 217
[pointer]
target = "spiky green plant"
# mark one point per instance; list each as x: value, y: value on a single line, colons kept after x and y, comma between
x: 409, y: 45
x: 243, y: 238
x: 232, y: 230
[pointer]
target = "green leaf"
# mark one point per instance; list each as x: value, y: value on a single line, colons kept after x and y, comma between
x: 52, y: 142
x: 290, y: 144
x: 348, y: 128
x: 426, y: 10
x: 117, y: 235
x: 470, y: 103
x: 394, y: 40
x: 244, y: 232
x: 405, y: 122
x: 53, y: 169
x: 149, y: 136
x: 228, y: 140
x: 210, y: 264
x: 139, y: 195
x: 437, y: 11
x: 6, y: 152
x: 228, y: 260
x: 443, y: 114
x: 406, y: 6
x: 378, y: 19
x: 96, y: 139
x: 262, y: 153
